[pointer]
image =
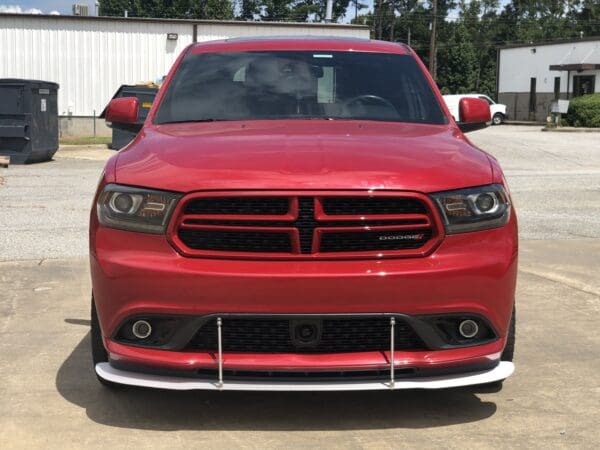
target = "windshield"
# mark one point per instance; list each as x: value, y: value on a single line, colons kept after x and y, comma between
x: 299, y: 85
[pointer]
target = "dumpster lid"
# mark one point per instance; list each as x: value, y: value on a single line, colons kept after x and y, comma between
x: 35, y: 83
x: 133, y: 87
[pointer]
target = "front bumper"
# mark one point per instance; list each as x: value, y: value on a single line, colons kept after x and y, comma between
x: 503, y: 370
x: 136, y: 274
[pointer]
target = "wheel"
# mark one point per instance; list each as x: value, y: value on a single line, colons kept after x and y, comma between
x: 508, y: 352
x: 99, y: 353
x: 509, y: 349
x: 498, y: 119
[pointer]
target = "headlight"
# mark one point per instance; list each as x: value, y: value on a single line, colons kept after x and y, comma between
x: 135, y: 209
x: 473, y: 209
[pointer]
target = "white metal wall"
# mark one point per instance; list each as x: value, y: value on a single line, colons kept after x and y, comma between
x: 213, y: 31
x: 519, y: 65
x: 91, y: 58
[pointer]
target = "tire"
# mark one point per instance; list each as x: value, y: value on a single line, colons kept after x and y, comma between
x: 498, y: 119
x: 99, y: 353
x: 509, y: 349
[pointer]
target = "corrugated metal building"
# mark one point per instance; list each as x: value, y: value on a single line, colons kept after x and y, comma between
x: 532, y: 76
x: 90, y: 57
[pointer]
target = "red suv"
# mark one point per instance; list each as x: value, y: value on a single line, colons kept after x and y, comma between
x: 302, y: 214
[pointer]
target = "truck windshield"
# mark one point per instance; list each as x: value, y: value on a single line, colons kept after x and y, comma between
x: 299, y: 85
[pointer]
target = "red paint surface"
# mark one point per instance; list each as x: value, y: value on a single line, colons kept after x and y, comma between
x: 123, y: 110
x: 141, y: 273
x: 474, y: 110
x: 302, y: 154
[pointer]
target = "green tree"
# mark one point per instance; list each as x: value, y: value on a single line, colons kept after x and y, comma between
x: 175, y: 9
x: 291, y: 10
x: 457, y: 62
x: 117, y: 7
x: 588, y: 17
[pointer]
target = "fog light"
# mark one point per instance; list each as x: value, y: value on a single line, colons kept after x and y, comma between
x: 468, y: 328
x: 141, y: 329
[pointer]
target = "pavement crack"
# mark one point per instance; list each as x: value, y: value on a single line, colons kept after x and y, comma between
x: 564, y: 281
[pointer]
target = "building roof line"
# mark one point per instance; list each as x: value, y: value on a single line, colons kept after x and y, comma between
x: 550, y: 42
x: 186, y: 21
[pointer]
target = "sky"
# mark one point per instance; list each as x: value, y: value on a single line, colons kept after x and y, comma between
x: 45, y: 6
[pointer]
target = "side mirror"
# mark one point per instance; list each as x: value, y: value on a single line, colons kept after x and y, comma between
x: 123, y: 110
x: 474, y: 114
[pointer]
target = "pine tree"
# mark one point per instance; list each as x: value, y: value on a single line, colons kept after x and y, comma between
x: 173, y: 9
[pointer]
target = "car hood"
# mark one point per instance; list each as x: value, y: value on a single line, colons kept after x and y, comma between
x: 302, y: 155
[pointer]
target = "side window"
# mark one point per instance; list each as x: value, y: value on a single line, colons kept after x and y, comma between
x: 240, y: 75
x: 487, y: 99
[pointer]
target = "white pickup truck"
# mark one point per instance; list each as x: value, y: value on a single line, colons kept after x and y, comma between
x: 497, y: 110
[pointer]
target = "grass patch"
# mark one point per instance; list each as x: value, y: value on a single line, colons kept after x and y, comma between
x: 98, y: 140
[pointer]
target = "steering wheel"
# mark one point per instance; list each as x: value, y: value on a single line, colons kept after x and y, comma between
x: 371, y: 98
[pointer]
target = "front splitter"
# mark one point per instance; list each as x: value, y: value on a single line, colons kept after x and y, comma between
x: 503, y: 370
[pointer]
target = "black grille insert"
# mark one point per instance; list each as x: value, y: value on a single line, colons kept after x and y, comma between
x: 306, y: 223
x: 236, y: 241
x: 363, y: 241
x: 338, y: 335
x: 371, y: 205
x: 239, y: 205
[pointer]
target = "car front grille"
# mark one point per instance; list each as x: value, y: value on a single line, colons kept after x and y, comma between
x: 277, y: 335
x: 324, y: 225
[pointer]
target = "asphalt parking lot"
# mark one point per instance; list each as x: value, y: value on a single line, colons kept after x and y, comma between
x: 49, y: 396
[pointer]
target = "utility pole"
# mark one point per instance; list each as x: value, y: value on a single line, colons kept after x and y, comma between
x: 393, y: 13
x: 432, y: 52
x: 378, y: 11
x: 329, y: 11
x: 409, y: 36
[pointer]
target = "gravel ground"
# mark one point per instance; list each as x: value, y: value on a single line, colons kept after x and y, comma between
x: 554, y: 178
x: 45, y: 207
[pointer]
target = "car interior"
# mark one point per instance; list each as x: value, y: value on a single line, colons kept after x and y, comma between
x: 298, y: 85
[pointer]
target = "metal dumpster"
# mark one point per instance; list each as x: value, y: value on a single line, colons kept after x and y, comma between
x: 28, y: 120
x: 121, y: 136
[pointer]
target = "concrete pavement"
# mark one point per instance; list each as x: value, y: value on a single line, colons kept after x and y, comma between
x: 44, y: 208
x: 554, y: 179
x: 50, y: 397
